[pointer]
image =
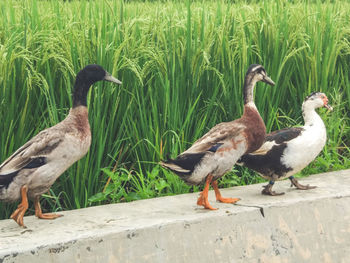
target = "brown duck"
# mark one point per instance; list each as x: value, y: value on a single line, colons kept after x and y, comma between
x: 211, y: 156
x: 33, y: 168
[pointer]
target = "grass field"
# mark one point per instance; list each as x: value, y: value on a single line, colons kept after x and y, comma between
x: 182, y: 64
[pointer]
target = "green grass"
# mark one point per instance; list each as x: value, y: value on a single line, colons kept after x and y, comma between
x: 182, y: 64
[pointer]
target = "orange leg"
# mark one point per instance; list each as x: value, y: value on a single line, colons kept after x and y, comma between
x: 39, y: 213
x: 22, y: 207
x: 219, y: 197
x: 203, y: 197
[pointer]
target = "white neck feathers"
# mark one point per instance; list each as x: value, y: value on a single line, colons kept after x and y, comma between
x: 311, y: 117
x: 252, y: 105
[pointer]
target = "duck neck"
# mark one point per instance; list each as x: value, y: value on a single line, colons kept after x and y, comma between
x: 255, y: 127
x: 249, y: 84
x: 310, y: 116
x: 79, y: 119
x: 81, y: 89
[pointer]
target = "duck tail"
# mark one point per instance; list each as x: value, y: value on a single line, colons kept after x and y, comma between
x: 172, y: 166
x: 184, y: 164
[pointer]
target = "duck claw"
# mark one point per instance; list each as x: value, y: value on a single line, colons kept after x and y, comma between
x: 268, y: 191
x: 300, y: 186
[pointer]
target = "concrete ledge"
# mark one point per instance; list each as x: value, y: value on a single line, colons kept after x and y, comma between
x: 301, y: 226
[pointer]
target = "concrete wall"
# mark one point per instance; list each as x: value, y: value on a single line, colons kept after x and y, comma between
x: 301, y: 226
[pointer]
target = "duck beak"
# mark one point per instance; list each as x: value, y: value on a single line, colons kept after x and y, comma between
x: 329, y: 107
x: 326, y: 105
x: 110, y: 78
x: 269, y: 81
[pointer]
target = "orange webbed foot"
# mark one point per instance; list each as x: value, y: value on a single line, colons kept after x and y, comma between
x: 49, y: 216
x: 39, y: 213
x: 227, y: 200
x: 203, y: 197
x: 18, y: 214
x: 204, y: 202
x: 220, y: 198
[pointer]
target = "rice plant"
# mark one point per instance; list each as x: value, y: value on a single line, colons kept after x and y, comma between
x: 182, y: 64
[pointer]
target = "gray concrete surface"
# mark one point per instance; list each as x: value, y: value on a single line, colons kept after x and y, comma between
x: 301, y: 226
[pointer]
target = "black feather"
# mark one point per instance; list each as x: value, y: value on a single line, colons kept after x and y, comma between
x: 312, y: 94
x: 187, y: 161
x: 284, y: 135
x: 6, y: 179
x: 258, y: 67
x: 267, y: 164
x: 215, y: 147
x: 35, y: 163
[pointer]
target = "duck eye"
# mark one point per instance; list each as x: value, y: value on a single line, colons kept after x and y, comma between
x: 262, y: 72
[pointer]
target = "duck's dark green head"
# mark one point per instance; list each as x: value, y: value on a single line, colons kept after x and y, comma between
x: 87, y: 77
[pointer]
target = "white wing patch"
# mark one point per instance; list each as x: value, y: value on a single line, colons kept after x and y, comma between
x: 267, y: 146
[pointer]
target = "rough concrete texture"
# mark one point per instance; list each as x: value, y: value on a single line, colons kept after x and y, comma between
x: 301, y: 226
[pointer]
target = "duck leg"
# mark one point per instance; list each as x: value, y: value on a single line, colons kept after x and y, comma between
x: 39, y: 213
x: 295, y: 182
x: 219, y: 197
x: 203, y: 197
x: 268, y: 189
x: 18, y: 214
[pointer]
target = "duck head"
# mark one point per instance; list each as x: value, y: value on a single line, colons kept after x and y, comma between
x: 85, y: 79
x: 257, y: 73
x: 316, y: 100
x: 254, y: 74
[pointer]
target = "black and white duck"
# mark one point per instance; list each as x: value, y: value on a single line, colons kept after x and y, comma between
x: 286, y: 152
x: 33, y: 168
x: 211, y: 156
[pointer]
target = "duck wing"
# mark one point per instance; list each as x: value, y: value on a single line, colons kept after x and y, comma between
x: 220, y: 138
x: 280, y: 137
x: 31, y: 155
x: 266, y: 159
x: 284, y: 135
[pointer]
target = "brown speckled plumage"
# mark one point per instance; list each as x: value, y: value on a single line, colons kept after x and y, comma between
x: 214, y: 154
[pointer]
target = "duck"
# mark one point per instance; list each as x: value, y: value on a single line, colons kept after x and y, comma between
x: 33, y: 168
x: 287, y: 151
x: 214, y: 154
